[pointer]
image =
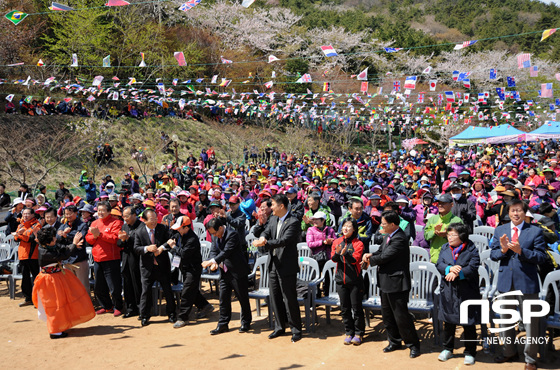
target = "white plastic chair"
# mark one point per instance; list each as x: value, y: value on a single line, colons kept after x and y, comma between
x: 262, y: 291
x: 308, y: 272
x: 332, y: 299
x: 332, y: 220
x: 419, y: 229
x: 493, y: 269
x: 480, y: 241
x: 556, y: 257
x: 303, y: 250
x: 206, y: 274
x: 419, y: 254
x: 424, y: 277
x: 372, y: 246
x: 372, y: 302
x: 199, y: 230
x: 487, y: 231
x: 537, y: 217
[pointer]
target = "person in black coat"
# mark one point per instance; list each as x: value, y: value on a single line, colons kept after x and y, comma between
x: 393, y: 276
x: 280, y: 240
x: 130, y: 264
x: 151, y: 243
x: 458, y: 263
x: 186, y: 247
x: 296, y: 207
x: 5, y: 199
x: 78, y: 261
x: 227, y: 254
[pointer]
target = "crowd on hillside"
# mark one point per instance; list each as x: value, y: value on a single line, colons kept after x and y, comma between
x: 357, y: 210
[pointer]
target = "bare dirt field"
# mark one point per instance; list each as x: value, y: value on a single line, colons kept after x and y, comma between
x: 113, y: 342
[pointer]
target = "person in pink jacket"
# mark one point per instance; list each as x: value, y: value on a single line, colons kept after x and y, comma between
x: 319, y: 238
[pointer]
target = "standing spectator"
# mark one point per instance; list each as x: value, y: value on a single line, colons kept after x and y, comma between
x: 520, y: 248
x: 458, y: 264
x: 14, y: 216
x: 151, y: 243
x: 28, y: 252
x: 280, y: 239
x: 186, y: 246
x: 227, y: 254
x: 435, y: 232
x: 78, y: 259
x: 347, y: 253
x: 103, y: 235
x: 130, y: 265
x: 59, y: 195
x: 393, y: 276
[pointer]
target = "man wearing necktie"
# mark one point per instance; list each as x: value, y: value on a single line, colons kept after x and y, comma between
x: 227, y: 254
x: 393, y: 276
x: 280, y: 238
x: 520, y: 248
x: 151, y: 243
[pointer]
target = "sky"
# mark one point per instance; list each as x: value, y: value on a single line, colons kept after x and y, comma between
x: 557, y: 2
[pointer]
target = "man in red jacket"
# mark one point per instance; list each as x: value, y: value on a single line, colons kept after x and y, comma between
x: 103, y: 235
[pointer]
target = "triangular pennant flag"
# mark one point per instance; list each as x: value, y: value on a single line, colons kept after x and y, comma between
x: 40, y: 63
x: 547, y: 33
x: 363, y: 75
x: 142, y: 63
x: 427, y: 70
x: 272, y: 58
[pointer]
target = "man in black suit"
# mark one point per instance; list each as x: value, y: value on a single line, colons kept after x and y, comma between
x: 151, y: 243
x: 393, y: 276
x: 130, y: 266
x: 186, y: 247
x: 280, y: 238
x: 227, y: 254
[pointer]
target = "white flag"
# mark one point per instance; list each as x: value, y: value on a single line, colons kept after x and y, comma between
x: 272, y: 58
x: 97, y: 81
x: 214, y: 79
x: 10, y: 97
x: 433, y: 84
x: 363, y: 75
x: 427, y: 70
x: 74, y: 60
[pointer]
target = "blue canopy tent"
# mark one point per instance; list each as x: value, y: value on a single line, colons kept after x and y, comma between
x: 497, y: 134
x: 549, y: 130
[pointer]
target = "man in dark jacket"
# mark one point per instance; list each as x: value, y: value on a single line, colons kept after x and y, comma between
x: 462, y: 207
x: 353, y: 189
x: 226, y: 253
x: 393, y: 276
x: 295, y: 207
x: 14, y: 216
x: 78, y: 261
x: 130, y: 264
x: 186, y: 248
x: 334, y: 199
x: 280, y: 239
x: 201, y: 206
x: 59, y: 195
x: 4, y: 197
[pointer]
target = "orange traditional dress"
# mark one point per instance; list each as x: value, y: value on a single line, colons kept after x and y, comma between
x: 61, y: 299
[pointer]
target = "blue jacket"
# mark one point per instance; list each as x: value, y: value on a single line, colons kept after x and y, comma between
x: 519, y: 271
x: 91, y: 192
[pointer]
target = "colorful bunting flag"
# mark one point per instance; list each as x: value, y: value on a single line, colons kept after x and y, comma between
x: 117, y: 3
x: 97, y: 81
x: 225, y: 61
x: 464, y: 44
x: 142, y: 63
x: 74, y: 60
x: 547, y: 33
x: 269, y: 84
x: 510, y: 81
x: 329, y: 51
x: 364, y: 87
x: 189, y: 5
x: 272, y: 58
x: 546, y: 90
x: 15, y: 16
x: 247, y: 3
x: 40, y: 63
x: 10, y: 97
x: 362, y: 76
x: 60, y: 7
x: 523, y: 60
x: 410, y: 82
x: 180, y: 57
x: 107, y: 61
x: 392, y: 50
x: 493, y: 74
x: 534, y: 71
x: 433, y: 84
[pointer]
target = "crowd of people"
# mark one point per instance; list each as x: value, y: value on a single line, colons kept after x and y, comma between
x: 358, y: 210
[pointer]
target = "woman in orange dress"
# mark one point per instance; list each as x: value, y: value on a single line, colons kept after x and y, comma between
x: 61, y: 299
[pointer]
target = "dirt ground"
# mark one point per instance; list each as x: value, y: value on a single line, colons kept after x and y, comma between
x: 110, y: 342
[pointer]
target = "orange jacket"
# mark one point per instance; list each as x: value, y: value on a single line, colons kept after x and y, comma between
x: 105, y: 245
x: 25, y: 236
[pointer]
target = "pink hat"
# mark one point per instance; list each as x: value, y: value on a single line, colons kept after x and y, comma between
x: 185, y: 193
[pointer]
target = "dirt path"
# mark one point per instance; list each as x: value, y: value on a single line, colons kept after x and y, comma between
x: 107, y: 341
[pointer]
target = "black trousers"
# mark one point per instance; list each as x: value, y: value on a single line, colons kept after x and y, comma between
x: 164, y: 278
x: 108, y: 284
x: 132, y: 283
x: 240, y: 285
x: 351, y: 308
x: 397, y: 320
x: 469, y: 336
x: 190, y: 295
x: 283, y: 299
x: 29, y: 271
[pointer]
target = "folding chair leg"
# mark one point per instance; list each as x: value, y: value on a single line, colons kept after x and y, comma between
x: 258, y: 307
x: 366, y: 311
x: 12, y: 287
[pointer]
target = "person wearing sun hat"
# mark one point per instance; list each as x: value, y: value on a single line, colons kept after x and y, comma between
x: 334, y: 199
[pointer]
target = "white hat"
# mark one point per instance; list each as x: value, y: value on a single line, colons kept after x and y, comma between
x: 17, y: 201
x: 319, y: 215
x: 137, y: 196
x: 181, y: 221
